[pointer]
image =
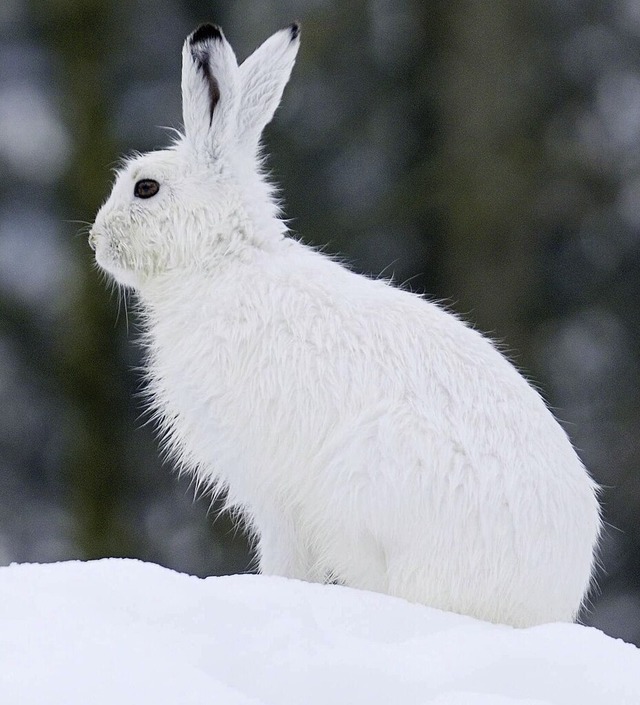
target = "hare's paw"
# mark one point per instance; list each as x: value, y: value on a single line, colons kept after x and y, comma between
x: 281, y: 551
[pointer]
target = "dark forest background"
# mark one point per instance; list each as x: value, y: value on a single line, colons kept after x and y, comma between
x: 485, y: 153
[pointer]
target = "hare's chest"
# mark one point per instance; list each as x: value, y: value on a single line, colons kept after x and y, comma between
x: 189, y: 396
x: 204, y: 387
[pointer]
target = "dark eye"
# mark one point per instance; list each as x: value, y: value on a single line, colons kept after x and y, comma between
x: 145, y: 188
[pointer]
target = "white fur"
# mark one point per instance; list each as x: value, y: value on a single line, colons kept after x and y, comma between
x: 367, y: 435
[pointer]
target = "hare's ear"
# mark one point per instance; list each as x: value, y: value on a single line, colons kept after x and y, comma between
x: 210, y: 94
x: 263, y: 76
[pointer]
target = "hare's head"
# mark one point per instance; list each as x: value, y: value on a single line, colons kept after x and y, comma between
x: 203, y: 198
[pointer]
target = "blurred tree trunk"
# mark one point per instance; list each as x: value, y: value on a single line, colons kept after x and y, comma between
x: 86, y: 352
x: 487, y: 162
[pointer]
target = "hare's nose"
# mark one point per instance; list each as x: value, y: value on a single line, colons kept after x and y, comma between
x: 92, y: 239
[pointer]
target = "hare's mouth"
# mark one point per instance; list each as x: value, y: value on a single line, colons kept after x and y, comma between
x: 111, y: 256
x: 93, y: 239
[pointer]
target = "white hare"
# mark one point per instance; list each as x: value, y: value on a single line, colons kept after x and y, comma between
x: 368, y: 436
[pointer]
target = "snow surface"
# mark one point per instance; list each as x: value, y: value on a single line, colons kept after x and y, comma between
x: 125, y: 632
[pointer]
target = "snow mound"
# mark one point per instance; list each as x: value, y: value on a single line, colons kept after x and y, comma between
x: 125, y: 632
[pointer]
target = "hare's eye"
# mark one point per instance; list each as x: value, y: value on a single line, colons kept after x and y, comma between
x: 145, y: 188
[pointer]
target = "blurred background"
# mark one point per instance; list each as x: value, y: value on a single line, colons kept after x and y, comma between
x: 484, y: 153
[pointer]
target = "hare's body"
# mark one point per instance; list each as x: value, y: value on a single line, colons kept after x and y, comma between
x: 369, y: 436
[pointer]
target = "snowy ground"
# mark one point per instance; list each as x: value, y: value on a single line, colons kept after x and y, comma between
x: 124, y: 632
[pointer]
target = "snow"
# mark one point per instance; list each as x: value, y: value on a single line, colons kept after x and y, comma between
x: 125, y: 632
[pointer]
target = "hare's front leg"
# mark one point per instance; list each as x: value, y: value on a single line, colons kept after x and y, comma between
x: 281, y: 552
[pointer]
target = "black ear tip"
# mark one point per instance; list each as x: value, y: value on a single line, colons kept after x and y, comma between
x: 294, y: 29
x: 205, y: 32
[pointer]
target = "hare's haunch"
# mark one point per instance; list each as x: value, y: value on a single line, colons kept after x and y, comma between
x: 368, y: 436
